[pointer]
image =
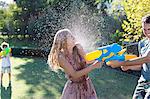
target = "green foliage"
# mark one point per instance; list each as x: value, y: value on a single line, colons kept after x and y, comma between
x: 8, y: 22
x: 101, y: 1
x: 29, y: 9
x: 74, y: 15
x: 109, y: 26
x: 117, y: 37
x: 18, y: 41
x: 46, y: 23
x: 135, y: 10
x: 102, y: 5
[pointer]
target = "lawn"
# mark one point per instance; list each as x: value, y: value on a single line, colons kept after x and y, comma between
x: 32, y: 79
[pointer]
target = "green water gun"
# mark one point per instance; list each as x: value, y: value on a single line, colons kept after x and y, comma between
x: 5, y: 52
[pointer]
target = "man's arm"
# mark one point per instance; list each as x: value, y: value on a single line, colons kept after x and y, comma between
x: 133, y: 62
x: 135, y: 67
x: 137, y: 61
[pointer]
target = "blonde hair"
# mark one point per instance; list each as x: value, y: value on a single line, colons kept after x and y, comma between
x: 78, y: 59
x: 59, y: 45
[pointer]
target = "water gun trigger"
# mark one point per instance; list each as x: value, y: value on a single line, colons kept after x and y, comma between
x: 122, y: 51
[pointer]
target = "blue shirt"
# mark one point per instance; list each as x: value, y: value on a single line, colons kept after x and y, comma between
x: 144, y: 48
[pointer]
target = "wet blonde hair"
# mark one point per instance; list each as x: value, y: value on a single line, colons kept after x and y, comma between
x: 59, y: 45
x: 78, y: 59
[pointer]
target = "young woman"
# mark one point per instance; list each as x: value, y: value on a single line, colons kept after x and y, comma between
x: 66, y: 54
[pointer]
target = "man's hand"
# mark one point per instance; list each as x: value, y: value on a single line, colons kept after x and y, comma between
x: 125, y: 68
x: 135, y: 67
x: 97, y: 64
x: 114, y: 63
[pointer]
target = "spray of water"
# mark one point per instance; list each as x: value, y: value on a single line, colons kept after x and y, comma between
x: 83, y: 23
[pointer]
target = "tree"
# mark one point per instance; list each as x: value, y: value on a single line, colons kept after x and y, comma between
x: 30, y: 8
x: 7, y: 20
x: 102, y: 5
x: 135, y: 10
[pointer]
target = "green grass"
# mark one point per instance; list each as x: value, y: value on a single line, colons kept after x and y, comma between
x: 113, y: 84
x: 32, y: 79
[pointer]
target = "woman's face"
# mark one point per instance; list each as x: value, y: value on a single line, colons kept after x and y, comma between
x: 70, y: 40
x: 146, y: 29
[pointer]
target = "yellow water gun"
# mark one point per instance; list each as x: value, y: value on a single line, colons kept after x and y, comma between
x: 108, y: 53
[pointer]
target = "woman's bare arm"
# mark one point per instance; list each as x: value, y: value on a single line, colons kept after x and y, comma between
x: 73, y: 73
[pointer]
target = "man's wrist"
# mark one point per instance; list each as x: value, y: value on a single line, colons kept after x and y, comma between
x: 147, y: 59
x: 123, y: 63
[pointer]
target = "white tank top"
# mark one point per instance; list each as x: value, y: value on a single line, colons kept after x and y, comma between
x: 6, y: 61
